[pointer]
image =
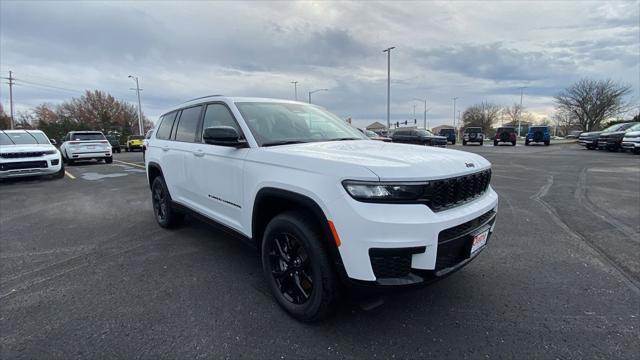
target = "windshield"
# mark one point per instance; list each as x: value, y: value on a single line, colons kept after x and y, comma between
x: 273, y: 123
x: 23, y: 138
x: 87, y: 136
x: 635, y: 127
x: 424, y: 132
x: 472, y: 130
x: 370, y: 133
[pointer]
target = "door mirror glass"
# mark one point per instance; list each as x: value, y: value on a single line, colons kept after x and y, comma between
x: 222, y: 135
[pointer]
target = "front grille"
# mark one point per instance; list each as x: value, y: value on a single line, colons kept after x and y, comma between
x: 23, y: 165
x: 463, y: 229
x: 15, y: 155
x: 448, y: 193
x: 394, y: 262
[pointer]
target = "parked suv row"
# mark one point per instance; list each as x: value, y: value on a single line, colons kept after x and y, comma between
x: 323, y: 203
x: 610, y: 138
x: 418, y: 137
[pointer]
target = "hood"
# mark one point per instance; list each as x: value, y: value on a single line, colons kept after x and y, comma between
x: 388, y: 161
x: 613, y: 134
x: 632, y: 134
x: 26, y: 148
x: 592, y: 133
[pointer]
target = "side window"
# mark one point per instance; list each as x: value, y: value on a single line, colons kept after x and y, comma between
x: 166, y: 123
x: 188, y: 124
x: 219, y: 115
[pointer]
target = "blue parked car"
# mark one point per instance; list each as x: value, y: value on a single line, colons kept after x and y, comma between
x: 538, y: 134
x: 450, y: 134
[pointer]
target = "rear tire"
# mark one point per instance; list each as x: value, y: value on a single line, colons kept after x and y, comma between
x: 297, y: 267
x: 495, y: 143
x: 108, y: 160
x: 165, y: 215
x: 526, y: 142
x: 464, y: 143
x: 546, y: 143
x: 481, y: 142
x: 513, y: 143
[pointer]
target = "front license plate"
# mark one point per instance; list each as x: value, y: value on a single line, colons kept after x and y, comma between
x: 479, y: 241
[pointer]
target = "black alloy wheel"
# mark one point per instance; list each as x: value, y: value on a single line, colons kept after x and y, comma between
x: 165, y: 215
x: 291, y: 268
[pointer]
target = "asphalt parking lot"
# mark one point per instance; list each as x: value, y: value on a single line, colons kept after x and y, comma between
x: 86, y: 273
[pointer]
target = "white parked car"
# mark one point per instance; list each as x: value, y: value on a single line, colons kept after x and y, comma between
x: 631, y: 139
x: 86, y: 145
x: 28, y: 153
x: 321, y: 202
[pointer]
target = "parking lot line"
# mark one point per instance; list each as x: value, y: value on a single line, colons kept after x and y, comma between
x: 132, y: 164
x: 69, y: 174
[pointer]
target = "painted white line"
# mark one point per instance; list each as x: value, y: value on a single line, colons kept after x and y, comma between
x: 69, y: 174
x: 132, y: 164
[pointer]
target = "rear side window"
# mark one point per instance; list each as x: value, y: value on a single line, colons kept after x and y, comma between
x: 87, y: 136
x: 188, y: 124
x: 218, y: 115
x: 166, y: 123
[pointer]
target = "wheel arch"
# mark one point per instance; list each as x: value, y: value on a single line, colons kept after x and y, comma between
x: 153, y: 171
x: 270, y: 201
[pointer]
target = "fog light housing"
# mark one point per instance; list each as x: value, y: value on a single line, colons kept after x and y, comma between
x: 55, y: 162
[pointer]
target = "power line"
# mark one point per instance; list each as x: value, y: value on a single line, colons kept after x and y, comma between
x: 33, y: 83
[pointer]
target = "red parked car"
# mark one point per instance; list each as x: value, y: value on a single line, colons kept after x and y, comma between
x: 505, y: 135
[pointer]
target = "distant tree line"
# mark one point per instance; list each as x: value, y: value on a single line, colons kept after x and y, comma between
x: 95, y: 110
x: 585, y: 105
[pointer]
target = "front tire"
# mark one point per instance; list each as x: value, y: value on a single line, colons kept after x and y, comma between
x: 59, y: 174
x: 297, y: 267
x: 108, y: 160
x: 165, y: 215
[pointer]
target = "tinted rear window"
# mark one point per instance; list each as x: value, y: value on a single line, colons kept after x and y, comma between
x: 506, y: 130
x: 87, y: 136
x: 188, y: 124
x: 539, y: 128
x: 166, y: 123
x: 472, y: 130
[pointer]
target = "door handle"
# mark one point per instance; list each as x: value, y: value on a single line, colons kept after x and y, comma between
x: 198, y: 153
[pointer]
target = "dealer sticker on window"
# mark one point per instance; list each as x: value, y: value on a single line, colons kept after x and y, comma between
x: 479, y: 241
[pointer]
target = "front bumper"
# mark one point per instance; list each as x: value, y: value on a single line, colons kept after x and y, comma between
x: 630, y: 145
x: 19, y: 167
x: 368, y: 229
x: 585, y: 142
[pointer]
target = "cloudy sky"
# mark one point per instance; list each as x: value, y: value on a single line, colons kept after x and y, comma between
x: 476, y: 51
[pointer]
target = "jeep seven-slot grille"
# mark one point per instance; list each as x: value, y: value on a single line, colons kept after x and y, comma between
x: 23, y: 165
x: 447, y: 193
x: 15, y: 155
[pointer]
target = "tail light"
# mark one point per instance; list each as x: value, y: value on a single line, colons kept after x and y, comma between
x: 103, y: 141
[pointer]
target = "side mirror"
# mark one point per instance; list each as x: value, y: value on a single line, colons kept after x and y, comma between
x: 53, y: 142
x: 222, y: 135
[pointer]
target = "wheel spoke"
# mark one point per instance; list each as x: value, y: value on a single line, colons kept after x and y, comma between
x: 281, y: 252
x: 291, y: 268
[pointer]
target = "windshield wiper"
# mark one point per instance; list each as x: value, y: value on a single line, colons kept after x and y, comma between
x: 344, y: 139
x: 284, y: 142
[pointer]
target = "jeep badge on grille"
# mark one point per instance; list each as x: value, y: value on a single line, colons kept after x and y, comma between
x: 469, y: 164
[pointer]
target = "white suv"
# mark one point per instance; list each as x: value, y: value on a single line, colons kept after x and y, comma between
x: 320, y: 201
x: 86, y: 145
x: 28, y: 153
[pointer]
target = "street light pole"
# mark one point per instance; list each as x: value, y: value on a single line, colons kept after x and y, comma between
x: 520, y: 112
x: 454, y: 111
x: 388, y: 51
x: 137, y: 89
x: 425, y: 110
x: 295, y: 89
x: 315, y: 91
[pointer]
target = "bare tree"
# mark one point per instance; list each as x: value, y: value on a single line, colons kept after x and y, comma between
x: 482, y: 115
x: 512, y: 113
x: 5, y: 119
x: 593, y: 101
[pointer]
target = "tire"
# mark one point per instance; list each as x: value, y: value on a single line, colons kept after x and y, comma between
x: 464, y: 143
x: 636, y: 151
x: 293, y: 253
x: 546, y: 143
x: 108, y: 160
x: 590, y: 147
x: 59, y: 174
x: 526, y: 142
x: 495, y: 143
x: 513, y: 143
x: 165, y: 215
x: 481, y: 142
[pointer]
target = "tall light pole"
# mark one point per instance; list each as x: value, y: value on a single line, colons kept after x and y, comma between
x: 388, y: 51
x: 425, y: 110
x: 295, y: 89
x: 454, y: 111
x: 137, y: 89
x: 315, y: 91
x: 520, y: 112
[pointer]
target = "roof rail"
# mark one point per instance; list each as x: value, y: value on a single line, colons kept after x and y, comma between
x: 201, y: 97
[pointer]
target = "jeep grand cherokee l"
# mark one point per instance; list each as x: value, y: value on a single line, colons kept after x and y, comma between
x: 28, y: 153
x: 320, y: 201
x: 86, y: 145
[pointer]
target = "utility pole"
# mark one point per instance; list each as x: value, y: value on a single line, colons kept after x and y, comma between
x: 414, y: 111
x: 388, y: 51
x: 520, y: 112
x: 454, y: 111
x: 295, y: 89
x: 11, y: 83
x: 137, y: 89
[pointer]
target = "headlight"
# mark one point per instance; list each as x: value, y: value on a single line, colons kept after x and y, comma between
x: 51, y: 152
x: 385, y: 192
